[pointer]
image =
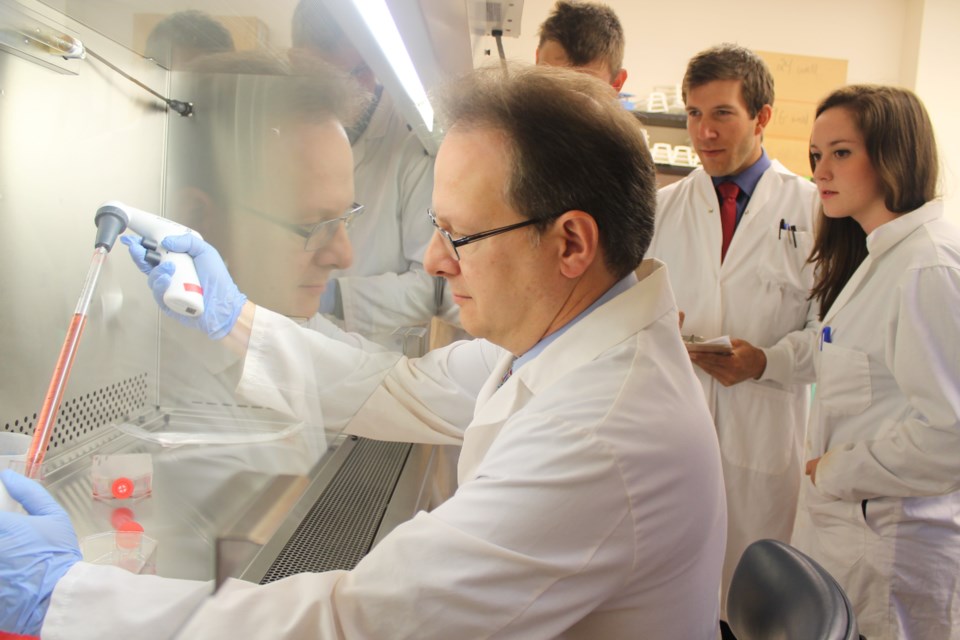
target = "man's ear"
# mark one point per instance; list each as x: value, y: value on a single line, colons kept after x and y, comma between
x: 579, y: 242
x: 763, y: 117
x: 536, y: 56
x: 619, y: 79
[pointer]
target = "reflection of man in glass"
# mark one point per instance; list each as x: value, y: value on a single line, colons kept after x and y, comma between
x: 386, y: 286
x: 264, y: 172
x: 185, y: 35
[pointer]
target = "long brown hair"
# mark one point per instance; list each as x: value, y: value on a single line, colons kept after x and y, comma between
x: 900, y: 144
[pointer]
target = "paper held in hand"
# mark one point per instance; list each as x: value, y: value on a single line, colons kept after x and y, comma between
x: 720, y: 345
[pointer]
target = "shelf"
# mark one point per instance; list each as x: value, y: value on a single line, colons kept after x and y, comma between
x: 671, y: 120
x: 673, y: 169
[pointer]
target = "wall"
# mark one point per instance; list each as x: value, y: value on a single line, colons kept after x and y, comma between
x: 71, y: 142
x: 660, y: 40
x: 114, y: 17
x: 902, y: 42
x: 938, y: 51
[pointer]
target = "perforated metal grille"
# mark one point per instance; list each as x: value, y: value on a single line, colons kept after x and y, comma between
x: 81, y: 417
x: 340, y: 527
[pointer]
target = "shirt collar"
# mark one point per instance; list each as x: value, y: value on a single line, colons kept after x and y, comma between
x: 890, y: 233
x: 354, y: 132
x: 748, y: 178
x: 612, y: 292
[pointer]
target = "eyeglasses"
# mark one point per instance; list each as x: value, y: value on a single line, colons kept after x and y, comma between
x: 316, y: 236
x: 453, y: 245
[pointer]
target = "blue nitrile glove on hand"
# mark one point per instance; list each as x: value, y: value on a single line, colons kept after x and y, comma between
x: 36, y: 550
x: 222, y: 300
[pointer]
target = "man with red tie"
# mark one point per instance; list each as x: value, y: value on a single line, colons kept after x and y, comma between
x: 735, y: 235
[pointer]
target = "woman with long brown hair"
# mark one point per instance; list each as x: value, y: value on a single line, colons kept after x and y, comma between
x: 882, y: 509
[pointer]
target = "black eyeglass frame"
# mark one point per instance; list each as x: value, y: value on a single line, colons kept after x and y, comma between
x: 455, y: 244
x: 347, y: 219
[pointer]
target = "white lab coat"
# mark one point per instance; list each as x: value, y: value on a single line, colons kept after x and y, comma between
x: 758, y: 294
x: 386, y: 286
x: 886, y: 419
x: 590, y: 503
x: 199, y: 374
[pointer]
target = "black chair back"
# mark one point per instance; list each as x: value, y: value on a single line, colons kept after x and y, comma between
x: 779, y: 593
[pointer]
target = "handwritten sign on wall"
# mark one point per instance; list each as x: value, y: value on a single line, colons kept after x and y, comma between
x: 800, y: 83
x: 248, y: 33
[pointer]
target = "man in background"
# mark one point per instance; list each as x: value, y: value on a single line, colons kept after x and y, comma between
x: 735, y: 235
x: 586, y: 36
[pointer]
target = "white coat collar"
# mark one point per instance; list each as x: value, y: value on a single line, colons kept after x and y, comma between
x: 376, y: 129
x: 768, y: 187
x: 607, y: 326
x: 771, y: 179
x: 881, y: 240
x: 889, y: 234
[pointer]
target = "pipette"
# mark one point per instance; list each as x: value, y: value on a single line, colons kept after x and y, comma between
x: 184, y: 295
x: 110, y: 224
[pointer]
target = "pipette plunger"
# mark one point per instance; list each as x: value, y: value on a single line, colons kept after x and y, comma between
x: 108, y: 228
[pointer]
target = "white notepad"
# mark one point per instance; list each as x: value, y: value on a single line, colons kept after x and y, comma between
x: 713, y: 345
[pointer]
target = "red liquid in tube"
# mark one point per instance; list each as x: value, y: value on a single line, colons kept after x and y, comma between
x: 51, y: 403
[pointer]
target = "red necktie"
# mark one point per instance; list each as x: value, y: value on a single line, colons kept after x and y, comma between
x: 728, y: 213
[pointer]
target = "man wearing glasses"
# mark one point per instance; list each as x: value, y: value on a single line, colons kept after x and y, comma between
x: 263, y: 176
x: 266, y: 176
x: 590, y: 501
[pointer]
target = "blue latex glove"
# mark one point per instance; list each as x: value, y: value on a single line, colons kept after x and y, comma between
x: 36, y: 550
x: 222, y: 300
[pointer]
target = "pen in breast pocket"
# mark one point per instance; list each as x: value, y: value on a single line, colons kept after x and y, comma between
x: 791, y: 230
x: 826, y: 335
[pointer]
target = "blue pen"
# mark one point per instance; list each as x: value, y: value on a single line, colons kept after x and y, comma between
x: 826, y: 335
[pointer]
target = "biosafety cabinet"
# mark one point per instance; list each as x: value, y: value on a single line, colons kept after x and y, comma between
x: 162, y: 468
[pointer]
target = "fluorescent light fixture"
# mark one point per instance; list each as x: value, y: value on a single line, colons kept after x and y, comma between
x: 377, y: 17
